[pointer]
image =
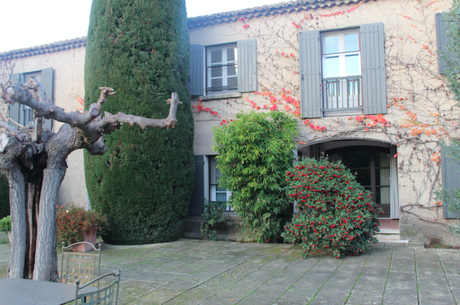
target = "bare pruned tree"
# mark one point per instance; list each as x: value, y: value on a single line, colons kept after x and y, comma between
x: 34, y: 161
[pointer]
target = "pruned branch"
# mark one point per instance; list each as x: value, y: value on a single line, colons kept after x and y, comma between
x: 90, y: 123
x: 13, y: 131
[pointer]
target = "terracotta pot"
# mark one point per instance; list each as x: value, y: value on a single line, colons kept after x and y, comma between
x: 90, y: 237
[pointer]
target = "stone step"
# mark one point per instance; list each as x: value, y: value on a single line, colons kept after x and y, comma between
x: 390, y: 236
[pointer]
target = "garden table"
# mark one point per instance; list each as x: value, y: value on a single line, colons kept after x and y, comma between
x: 21, y: 291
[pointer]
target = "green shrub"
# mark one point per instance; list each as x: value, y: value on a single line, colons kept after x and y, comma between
x: 5, y: 224
x: 212, y: 215
x: 73, y: 221
x: 335, y: 213
x: 144, y: 182
x: 255, y: 150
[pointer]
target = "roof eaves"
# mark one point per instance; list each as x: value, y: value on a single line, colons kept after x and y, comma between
x: 266, y: 10
x: 44, y: 49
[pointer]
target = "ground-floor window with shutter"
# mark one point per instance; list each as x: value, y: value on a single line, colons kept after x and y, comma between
x: 217, y: 193
x: 343, y: 71
x: 23, y: 115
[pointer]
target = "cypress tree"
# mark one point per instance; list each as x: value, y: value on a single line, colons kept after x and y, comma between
x: 143, y: 183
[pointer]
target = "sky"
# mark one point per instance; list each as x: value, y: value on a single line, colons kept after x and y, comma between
x: 29, y: 23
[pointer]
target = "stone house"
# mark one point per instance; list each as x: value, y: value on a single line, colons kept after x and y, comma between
x: 364, y: 78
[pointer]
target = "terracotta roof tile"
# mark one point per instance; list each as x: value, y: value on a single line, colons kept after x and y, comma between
x: 266, y: 10
x: 43, y: 49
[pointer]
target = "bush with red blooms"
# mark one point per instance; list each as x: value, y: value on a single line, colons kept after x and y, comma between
x: 335, y: 213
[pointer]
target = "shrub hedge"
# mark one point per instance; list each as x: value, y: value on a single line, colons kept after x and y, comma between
x: 143, y: 183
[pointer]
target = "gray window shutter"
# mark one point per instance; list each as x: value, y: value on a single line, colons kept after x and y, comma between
x: 373, y: 68
x: 450, y: 178
x: 13, y: 109
x: 195, y: 207
x: 310, y: 74
x: 442, y: 42
x: 247, y: 65
x: 47, y: 83
x: 195, y: 82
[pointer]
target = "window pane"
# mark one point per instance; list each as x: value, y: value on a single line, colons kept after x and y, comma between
x: 352, y: 64
x: 382, y: 159
x: 351, y: 42
x: 332, y: 66
x: 216, y: 56
x: 331, y: 44
x: 383, y: 176
x: 231, y: 70
x: 231, y: 54
x: 363, y: 176
x: 383, y: 195
x: 359, y: 159
x: 216, y: 71
x: 232, y: 82
x: 221, y: 196
x: 335, y: 157
x: 216, y: 83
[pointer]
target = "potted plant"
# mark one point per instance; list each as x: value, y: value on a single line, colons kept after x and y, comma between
x: 75, y: 223
x: 5, y: 226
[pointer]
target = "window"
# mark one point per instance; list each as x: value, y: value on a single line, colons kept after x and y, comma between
x: 341, y: 65
x: 223, y: 69
x: 217, y: 193
x: 343, y: 71
x: 372, y: 168
x: 22, y: 114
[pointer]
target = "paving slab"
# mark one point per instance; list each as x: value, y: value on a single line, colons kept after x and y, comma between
x: 206, y: 272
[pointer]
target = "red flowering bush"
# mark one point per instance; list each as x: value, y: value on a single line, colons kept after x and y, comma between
x: 335, y: 213
x: 73, y: 221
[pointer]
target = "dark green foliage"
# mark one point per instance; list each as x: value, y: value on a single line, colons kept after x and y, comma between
x: 4, y: 197
x: 144, y: 181
x: 335, y: 213
x: 255, y: 150
x: 213, y: 214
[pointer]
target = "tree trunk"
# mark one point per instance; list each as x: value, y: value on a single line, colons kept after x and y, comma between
x: 18, y: 216
x: 46, y: 255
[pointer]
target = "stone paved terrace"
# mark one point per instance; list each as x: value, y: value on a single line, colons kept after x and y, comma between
x: 204, y: 272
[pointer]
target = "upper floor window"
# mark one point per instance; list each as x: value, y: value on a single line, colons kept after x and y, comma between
x: 221, y: 69
x: 343, y: 71
x: 341, y: 64
x: 23, y: 115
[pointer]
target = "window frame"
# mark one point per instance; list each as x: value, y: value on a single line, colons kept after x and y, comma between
x: 224, y: 65
x: 214, y: 175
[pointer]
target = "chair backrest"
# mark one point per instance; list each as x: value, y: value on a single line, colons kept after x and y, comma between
x: 84, y: 266
x: 107, y: 295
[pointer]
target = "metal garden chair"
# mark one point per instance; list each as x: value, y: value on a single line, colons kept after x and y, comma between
x: 107, y: 295
x: 84, y: 266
